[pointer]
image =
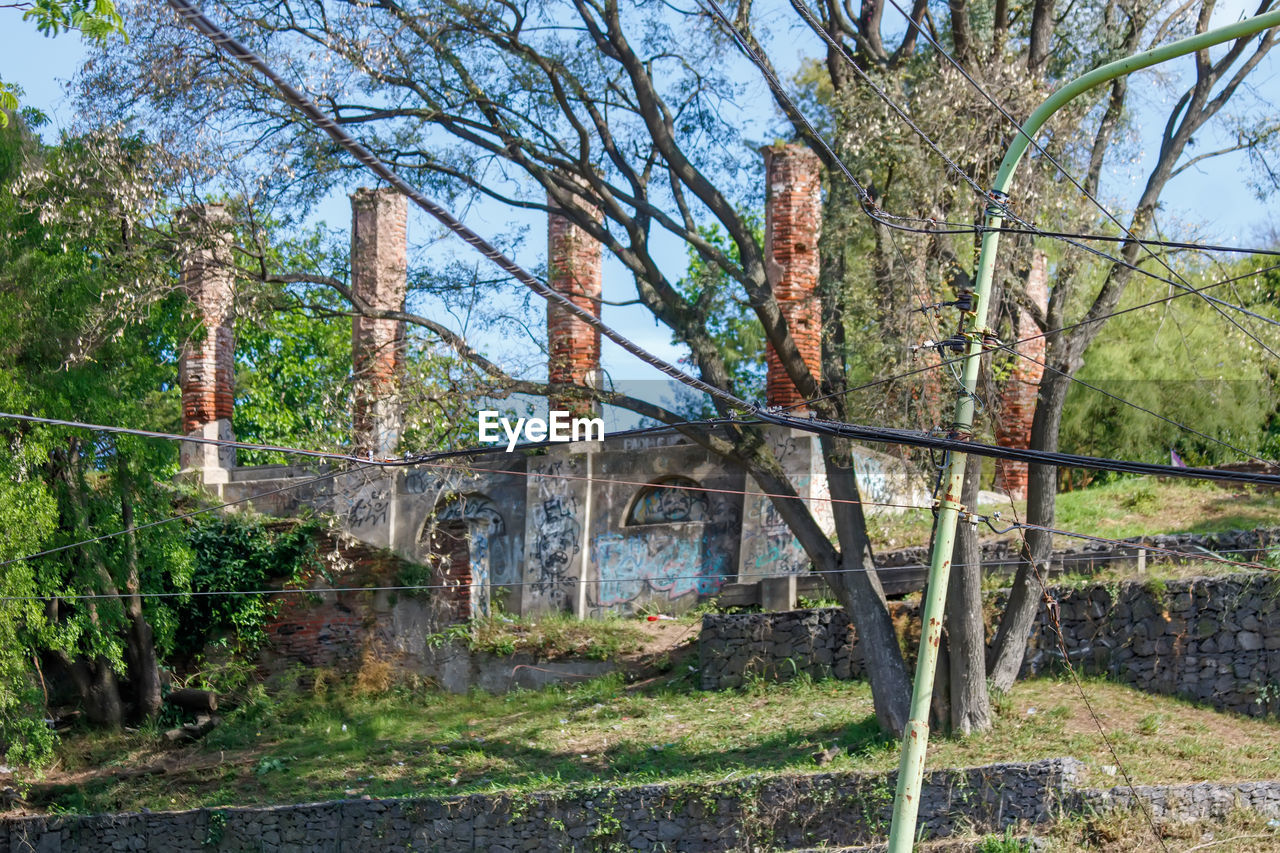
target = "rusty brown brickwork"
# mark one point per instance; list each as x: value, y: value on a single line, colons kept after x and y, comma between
x: 793, y: 222
x: 206, y: 368
x: 1018, y: 397
x: 332, y: 629
x: 379, y: 278
x: 573, y: 347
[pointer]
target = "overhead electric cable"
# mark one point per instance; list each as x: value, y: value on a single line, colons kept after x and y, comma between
x: 906, y: 374
x: 1001, y: 203
x: 453, y: 586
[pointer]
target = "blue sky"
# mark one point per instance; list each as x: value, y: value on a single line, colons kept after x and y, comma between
x: 1212, y: 202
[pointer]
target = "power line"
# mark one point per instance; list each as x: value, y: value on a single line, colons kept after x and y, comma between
x: 1052, y: 609
x: 798, y: 115
x: 874, y: 434
x: 591, y: 581
x: 172, y: 519
x: 988, y: 198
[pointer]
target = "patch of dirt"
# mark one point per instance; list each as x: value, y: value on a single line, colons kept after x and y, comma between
x: 667, y: 644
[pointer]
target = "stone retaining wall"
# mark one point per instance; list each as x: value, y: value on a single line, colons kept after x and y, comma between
x: 1208, y: 639
x: 753, y: 813
x: 733, y: 648
x: 1002, y: 554
x: 1198, y: 801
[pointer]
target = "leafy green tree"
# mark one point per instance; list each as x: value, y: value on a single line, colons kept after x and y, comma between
x: 92, y: 322
x: 1174, y: 360
x: 97, y: 21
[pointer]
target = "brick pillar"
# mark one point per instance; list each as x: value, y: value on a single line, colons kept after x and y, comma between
x: 1018, y: 397
x: 379, y: 273
x: 206, y: 367
x: 792, y: 223
x: 573, y: 347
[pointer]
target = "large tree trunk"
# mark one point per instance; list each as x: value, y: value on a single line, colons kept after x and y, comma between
x: 966, y: 633
x: 859, y: 591
x: 98, y: 690
x: 1010, y: 643
x: 144, y: 665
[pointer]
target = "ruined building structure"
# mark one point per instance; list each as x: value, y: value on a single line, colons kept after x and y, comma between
x: 588, y: 527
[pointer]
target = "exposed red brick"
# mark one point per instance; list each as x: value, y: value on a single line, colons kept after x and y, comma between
x: 378, y: 278
x: 574, y: 265
x: 793, y: 223
x: 451, y: 554
x: 206, y: 368
x: 1018, y: 397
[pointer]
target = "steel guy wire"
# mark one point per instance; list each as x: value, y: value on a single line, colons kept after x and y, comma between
x: 866, y: 433
x: 239, y: 52
x: 778, y: 91
x: 1053, y: 610
x: 242, y: 54
x: 173, y: 518
x: 986, y: 197
x: 880, y: 435
x: 1037, y: 336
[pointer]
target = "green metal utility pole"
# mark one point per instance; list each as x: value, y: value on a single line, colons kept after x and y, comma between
x: 906, y: 804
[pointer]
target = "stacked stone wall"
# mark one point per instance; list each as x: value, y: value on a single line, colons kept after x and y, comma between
x: 1213, y: 640
x: 779, y: 812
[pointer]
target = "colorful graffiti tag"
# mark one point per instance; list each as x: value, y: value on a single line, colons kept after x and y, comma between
x: 674, y: 499
x: 667, y: 562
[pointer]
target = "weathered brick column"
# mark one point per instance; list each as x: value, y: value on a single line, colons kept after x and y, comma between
x: 379, y: 276
x: 206, y: 367
x: 793, y: 222
x: 1018, y: 397
x: 573, y: 348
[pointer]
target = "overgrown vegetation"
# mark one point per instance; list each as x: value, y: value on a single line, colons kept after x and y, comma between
x: 555, y: 635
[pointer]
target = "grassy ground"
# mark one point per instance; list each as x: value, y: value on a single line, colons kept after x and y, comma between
x: 337, y: 741
x: 1135, y: 506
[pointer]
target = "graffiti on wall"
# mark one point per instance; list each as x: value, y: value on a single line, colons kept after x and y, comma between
x: 370, y: 508
x: 674, y: 499
x: 556, y: 536
x: 768, y: 545
x: 670, y: 563
x: 873, y: 480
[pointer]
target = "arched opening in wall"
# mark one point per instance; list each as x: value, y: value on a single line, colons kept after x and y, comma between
x: 668, y: 501
x: 450, y: 559
x: 458, y: 541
